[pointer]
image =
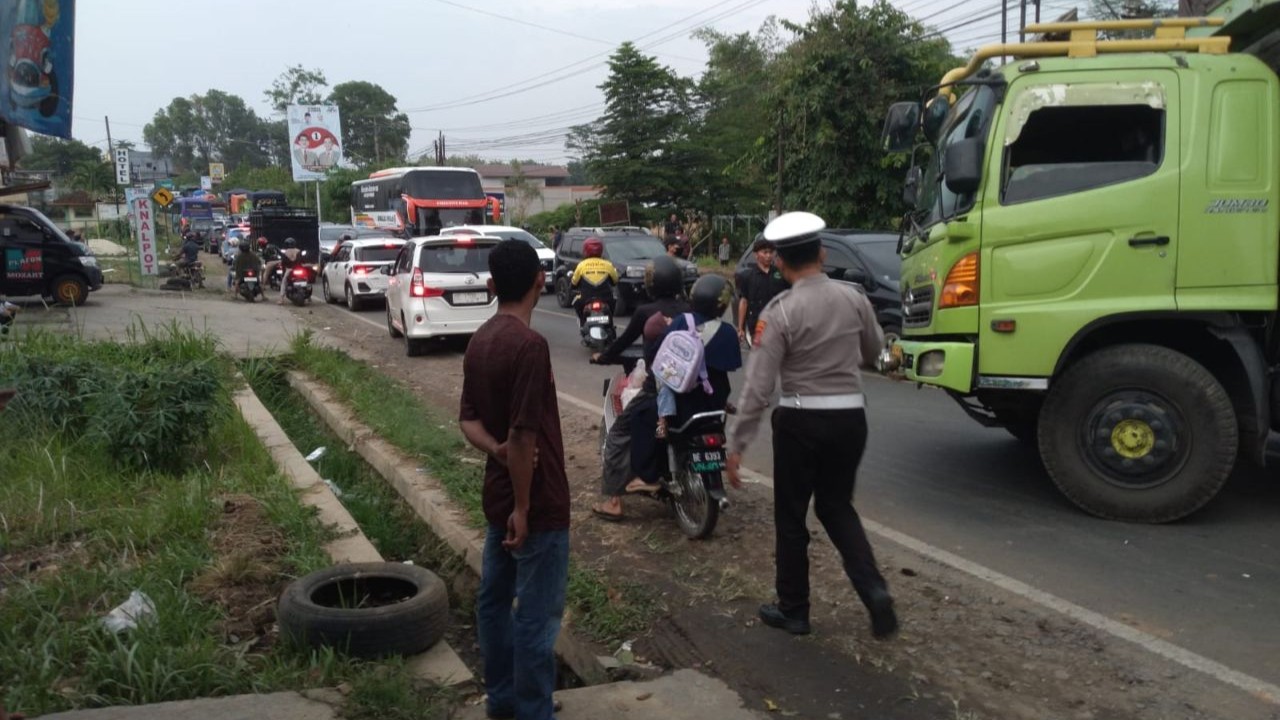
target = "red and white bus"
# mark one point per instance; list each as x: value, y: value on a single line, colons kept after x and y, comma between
x: 421, y: 200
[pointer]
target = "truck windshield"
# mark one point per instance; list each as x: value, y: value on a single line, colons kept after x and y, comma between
x: 969, y: 118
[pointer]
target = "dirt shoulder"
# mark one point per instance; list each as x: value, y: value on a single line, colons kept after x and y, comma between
x: 967, y: 649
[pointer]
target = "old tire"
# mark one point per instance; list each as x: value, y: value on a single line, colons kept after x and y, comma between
x: 366, y: 610
x: 69, y: 290
x: 563, y: 298
x: 1138, y: 432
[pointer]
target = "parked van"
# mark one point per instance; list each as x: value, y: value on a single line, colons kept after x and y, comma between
x: 38, y: 259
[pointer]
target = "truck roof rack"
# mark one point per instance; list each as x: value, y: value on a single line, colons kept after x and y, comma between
x: 1170, y: 35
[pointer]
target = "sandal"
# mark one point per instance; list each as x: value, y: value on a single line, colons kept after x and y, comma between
x: 605, y: 514
x: 640, y: 486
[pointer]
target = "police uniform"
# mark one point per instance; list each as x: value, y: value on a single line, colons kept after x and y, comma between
x: 814, y: 337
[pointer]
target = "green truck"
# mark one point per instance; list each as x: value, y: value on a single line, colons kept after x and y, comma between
x: 1092, y: 259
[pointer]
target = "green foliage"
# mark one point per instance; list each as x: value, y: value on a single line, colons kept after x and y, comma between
x: 640, y: 149
x: 373, y: 129
x: 216, y: 126
x: 95, y: 177
x: 826, y: 107
x: 296, y: 86
x: 144, y: 403
x: 567, y: 216
x: 59, y: 157
x: 522, y: 192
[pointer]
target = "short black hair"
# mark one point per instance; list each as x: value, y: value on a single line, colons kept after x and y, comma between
x: 798, y: 256
x: 514, y: 267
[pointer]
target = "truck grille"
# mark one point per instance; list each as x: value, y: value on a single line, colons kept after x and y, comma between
x: 917, y: 306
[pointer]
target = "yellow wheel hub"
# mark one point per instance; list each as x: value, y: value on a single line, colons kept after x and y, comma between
x: 1133, y: 439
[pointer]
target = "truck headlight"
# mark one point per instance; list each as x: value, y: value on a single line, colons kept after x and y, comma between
x: 89, y: 261
x: 635, y: 271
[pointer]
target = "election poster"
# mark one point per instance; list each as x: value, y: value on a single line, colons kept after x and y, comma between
x: 37, y: 40
x: 315, y: 140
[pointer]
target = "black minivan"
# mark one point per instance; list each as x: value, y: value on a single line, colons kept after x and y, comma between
x: 40, y: 260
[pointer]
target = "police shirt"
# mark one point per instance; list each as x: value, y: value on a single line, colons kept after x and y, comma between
x: 814, y: 337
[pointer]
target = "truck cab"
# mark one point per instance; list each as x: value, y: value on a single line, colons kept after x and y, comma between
x: 1092, y: 259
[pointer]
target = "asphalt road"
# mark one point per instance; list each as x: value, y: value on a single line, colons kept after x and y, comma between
x: 1208, y: 584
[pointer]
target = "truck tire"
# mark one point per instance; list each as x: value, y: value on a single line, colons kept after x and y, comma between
x: 620, y: 305
x: 69, y: 290
x: 1139, y: 433
x: 398, y: 609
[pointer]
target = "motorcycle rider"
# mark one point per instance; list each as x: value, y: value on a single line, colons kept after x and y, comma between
x: 290, y: 258
x: 593, y: 279
x: 631, y: 452
x: 247, y: 259
x: 189, y: 253
x: 722, y: 353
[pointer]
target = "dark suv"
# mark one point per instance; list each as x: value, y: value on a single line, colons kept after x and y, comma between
x: 869, y: 259
x: 629, y: 249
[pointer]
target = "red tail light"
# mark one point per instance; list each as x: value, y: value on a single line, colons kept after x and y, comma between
x: 712, y: 441
x: 361, y: 270
x: 299, y: 272
x: 248, y: 273
x: 597, y: 306
x: 419, y: 289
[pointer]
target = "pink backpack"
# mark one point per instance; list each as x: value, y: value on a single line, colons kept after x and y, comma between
x: 680, y: 363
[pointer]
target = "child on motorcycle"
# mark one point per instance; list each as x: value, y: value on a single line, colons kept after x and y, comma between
x: 722, y: 354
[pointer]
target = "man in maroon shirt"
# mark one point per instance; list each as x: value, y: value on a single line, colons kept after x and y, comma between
x: 509, y: 411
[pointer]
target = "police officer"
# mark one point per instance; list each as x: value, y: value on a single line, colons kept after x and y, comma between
x: 814, y: 336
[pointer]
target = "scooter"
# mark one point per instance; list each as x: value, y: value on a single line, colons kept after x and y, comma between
x: 250, y: 288
x: 692, y: 482
x: 300, y: 279
x: 597, y: 329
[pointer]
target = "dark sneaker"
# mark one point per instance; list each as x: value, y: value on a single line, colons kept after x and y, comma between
x: 770, y: 615
x: 884, y: 621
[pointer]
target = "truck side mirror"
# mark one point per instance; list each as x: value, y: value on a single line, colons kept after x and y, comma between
x: 911, y: 187
x: 962, y: 165
x: 900, y: 125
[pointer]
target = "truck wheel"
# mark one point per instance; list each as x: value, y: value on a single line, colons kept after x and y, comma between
x: 563, y: 298
x: 69, y: 290
x: 620, y: 306
x: 1138, y: 432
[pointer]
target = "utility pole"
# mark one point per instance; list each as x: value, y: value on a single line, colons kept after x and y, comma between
x: 1037, y: 11
x: 777, y: 203
x: 111, y: 153
x: 377, y: 153
x: 1004, y: 27
x: 1022, y: 21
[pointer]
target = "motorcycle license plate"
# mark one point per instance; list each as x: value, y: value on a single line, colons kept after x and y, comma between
x: 707, y: 461
x: 470, y: 298
x: 598, y: 320
x: 302, y: 284
x: 250, y: 281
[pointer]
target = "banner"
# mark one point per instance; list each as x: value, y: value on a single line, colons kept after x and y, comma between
x: 315, y: 140
x: 37, y: 45
x: 145, y: 231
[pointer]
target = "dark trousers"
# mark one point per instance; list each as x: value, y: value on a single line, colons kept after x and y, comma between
x: 816, y: 455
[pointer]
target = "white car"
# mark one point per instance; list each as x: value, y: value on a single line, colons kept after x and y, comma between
x: 546, y: 256
x: 354, y: 271
x: 438, y: 286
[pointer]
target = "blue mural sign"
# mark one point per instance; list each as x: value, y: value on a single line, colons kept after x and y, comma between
x: 37, y: 41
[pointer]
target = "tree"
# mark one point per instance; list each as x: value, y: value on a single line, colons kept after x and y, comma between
x: 1131, y: 10
x: 96, y: 177
x: 296, y: 86
x: 57, y: 156
x: 522, y: 192
x: 640, y: 149
x: 373, y: 128
x: 216, y: 126
x: 826, y: 106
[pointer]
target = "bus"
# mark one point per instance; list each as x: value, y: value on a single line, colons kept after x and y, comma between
x: 420, y: 201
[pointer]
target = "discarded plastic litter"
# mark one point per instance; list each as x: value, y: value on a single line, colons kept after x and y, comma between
x: 317, y: 454
x: 333, y: 487
x: 128, y: 614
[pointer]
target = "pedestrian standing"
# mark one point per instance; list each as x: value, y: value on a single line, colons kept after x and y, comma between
x: 757, y: 286
x: 814, y: 337
x: 509, y: 411
x: 556, y: 237
x: 724, y: 251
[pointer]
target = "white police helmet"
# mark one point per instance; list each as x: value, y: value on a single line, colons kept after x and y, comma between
x: 794, y: 228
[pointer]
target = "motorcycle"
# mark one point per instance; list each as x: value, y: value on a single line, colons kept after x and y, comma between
x: 597, y: 329
x: 276, y: 277
x: 692, y: 482
x: 250, y: 288
x: 300, y: 280
x: 192, y: 274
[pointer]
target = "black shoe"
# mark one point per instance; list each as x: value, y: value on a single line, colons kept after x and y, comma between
x: 884, y: 621
x: 773, y: 617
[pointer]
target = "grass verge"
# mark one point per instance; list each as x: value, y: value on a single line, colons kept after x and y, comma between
x: 608, y: 613
x: 80, y: 530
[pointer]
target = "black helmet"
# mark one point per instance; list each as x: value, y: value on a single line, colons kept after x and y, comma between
x: 710, y: 296
x: 244, y: 245
x: 662, y: 278
x: 290, y: 243
x: 347, y: 236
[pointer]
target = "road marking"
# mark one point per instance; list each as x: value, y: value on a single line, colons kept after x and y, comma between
x: 1165, y: 649
x: 566, y: 316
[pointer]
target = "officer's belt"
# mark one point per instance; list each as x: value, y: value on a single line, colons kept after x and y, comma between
x: 848, y: 401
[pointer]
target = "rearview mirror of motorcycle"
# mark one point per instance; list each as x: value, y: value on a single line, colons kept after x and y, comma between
x: 900, y: 126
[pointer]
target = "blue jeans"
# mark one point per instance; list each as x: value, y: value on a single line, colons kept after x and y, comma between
x: 666, y: 400
x: 519, y: 645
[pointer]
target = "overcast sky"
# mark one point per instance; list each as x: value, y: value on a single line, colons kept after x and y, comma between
x: 450, y: 66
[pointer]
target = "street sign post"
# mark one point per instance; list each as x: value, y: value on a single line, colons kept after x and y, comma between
x: 206, y: 183
x: 217, y: 172
x: 146, y: 234
x: 163, y: 197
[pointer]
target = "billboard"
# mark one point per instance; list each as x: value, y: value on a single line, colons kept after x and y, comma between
x: 37, y: 44
x: 217, y: 173
x: 315, y: 140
